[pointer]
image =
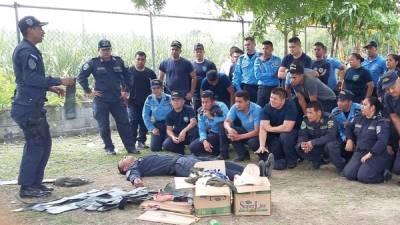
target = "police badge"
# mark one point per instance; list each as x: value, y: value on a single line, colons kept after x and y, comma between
x: 31, y: 64
x: 186, y: 119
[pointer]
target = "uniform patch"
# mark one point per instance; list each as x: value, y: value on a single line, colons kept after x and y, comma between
x: 378, y: 129
x: 204, y: 68
x: 303, y: 125
x: 356, y: 77
x: 330, y: 124
x: 31, y: 64
x: 85, y: 66
x: 186, y: 119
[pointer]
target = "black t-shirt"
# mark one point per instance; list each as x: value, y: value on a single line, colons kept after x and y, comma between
x: 356, y: 81
x: 177, y: 74
x: 322, y: 67
x: 288, y: 59
x: 201, y: 69
x: 140, y: 84
x: 278, y: 116
x: 179, y: 120
x: 220, y: 89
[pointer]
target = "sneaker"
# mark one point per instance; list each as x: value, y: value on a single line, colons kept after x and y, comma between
x: 269, y: 165
x: 110, y: 151
x: 142, y: 145
x: 43, y: 187
x: 32, y: 192
x: 261, y: 165
x: 133, y: 150
x: 387, y: 175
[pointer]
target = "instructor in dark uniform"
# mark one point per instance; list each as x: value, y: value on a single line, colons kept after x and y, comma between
x: 27, y: 108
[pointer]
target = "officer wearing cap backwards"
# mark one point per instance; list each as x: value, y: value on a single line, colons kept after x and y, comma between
x: 156, y: 108
x: 368, y: 136
x: 27, y: 107
x: 343, y: 114
x: 110, y: 74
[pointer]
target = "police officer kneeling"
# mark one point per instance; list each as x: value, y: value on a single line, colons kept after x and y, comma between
x: 181, y: 125
x: 368, y: 136
x: 317, y: 136
x: 27, y: 108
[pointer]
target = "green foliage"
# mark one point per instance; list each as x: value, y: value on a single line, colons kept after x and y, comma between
x: 153, y: 6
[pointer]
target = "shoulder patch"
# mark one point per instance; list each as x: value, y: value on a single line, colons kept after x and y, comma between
x: 303, y: 125
x: 86, y: 66
x: 330, y: 123
x: 32, y: 63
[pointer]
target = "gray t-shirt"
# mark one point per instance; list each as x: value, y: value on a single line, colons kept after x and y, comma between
x: 314, y: 87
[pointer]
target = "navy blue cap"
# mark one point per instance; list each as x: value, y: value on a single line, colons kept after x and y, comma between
x: 177, y: 95
x: 176, y: 44
x: 371, y: 44
x: 156, y: 83
x: 198, y: 46
x: 346, y: 95
x: 296, y: 67
x: 389, y: 79
x: 104, y: 43
x: 29, y: 21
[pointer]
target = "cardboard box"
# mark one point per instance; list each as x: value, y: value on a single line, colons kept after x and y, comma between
x: 253, y: 200
x: 208, y: 201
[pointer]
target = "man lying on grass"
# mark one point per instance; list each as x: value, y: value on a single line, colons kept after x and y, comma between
x: 165, y: 165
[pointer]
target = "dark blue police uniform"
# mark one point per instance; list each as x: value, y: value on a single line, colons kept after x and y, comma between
x: 178, y: 121
x: 323, y: 136
x: 27, y: 109
x: 370, y: 136
x: 109, y: 76
x: 220, y: 90
x: 201, y: 69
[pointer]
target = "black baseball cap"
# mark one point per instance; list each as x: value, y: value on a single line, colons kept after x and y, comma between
x: 198, y: 46
x: 389, y: 79
x: 104, y: 43
x: 345, y: 95
x: 29, y: 21
x: 296, y: 67
x: 212, y: 75
x: 207, y: 94
x: 371, y: 44
x: 177, y: 95
x: 156, y: 83
x: 176, y: 43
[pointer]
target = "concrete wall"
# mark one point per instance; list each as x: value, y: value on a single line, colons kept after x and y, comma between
x: 84, y: 123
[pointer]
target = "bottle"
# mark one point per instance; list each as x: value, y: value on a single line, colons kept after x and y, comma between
x: 214, y: 222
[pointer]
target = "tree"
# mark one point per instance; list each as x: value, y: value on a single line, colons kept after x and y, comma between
x: 152, y: 6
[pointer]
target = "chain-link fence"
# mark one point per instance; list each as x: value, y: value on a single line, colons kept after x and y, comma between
x: 72, y: 35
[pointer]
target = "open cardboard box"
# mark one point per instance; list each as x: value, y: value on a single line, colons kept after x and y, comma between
x: 209, y: 200
x: 253, y: 199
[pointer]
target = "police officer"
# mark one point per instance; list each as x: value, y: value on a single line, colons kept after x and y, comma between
x: 181, y: 125
x: 140, y: 89
x: 201, y: 66
x: 210, y: 116
x: 110, y: 74
x: 266, y: 72
x: 368, y: 136
x: 27, y: 107
x: 249, y: 115
x: 221, y: 86
x: 374, y: 62
x: 344, y: 114
x: 156, y: 108
x: 165, y: 165
x: 391, y: 84
x: 317, y: 136
x: 243, y: 76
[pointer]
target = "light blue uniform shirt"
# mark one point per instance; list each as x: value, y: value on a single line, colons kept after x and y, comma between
x: 155, y: 110
x: 206, y: 124
x: 266, y: 71
x: 249, y: 120
x: 334, y: 65
x: 376, y: 67
x: 340, y: 118
x: 244, y: 71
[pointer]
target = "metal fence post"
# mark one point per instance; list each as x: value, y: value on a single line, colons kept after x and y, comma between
x: 16, y: 21
x: 153, y: 54
x: 242, y: 22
